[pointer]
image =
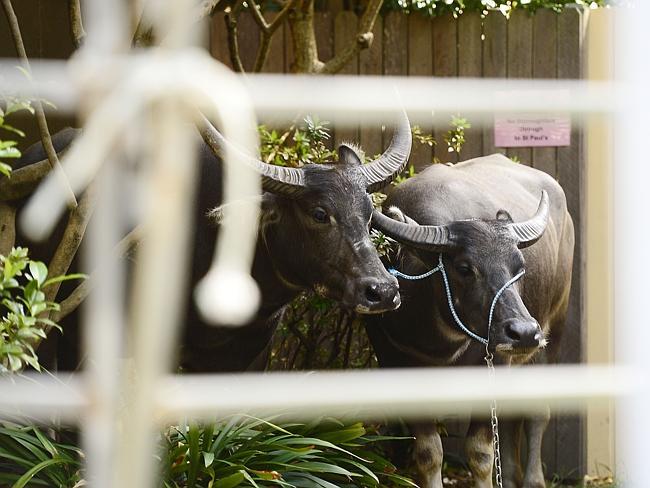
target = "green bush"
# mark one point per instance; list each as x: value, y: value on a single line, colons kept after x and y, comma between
x: 247, y: 451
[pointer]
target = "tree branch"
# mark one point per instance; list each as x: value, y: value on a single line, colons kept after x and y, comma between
x: 23, y: 181
x: 72, y: 236
x: 268, y: 29
x: 76, y: 24
x: 233, y: 43
x: 38, y: 106
x: 363, y: 40
x: 81, y: 292
x: 7, y: 228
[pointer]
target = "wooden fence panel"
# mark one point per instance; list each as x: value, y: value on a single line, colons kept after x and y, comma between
x: 495, y: 54
x: 470, y: 64
x: 345, y: 31
x: 445, y: 63
x: 520, y: 63
x: 545, y: 66
x: 370, y: 63
x: 570, y: 435
x: 420, y: 63
x: 395, y: 60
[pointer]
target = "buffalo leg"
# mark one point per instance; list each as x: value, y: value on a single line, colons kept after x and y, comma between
x: 535, y: 427
x: 427, y: 455
x: 510, y: 440
x: 480, y: 453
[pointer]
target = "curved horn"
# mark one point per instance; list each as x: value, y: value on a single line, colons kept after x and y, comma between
x: 427, y: 237
x: 275, y: 179
x: 384, y: 169
x: 528, y: 232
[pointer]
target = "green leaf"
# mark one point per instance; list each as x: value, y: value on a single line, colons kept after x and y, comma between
x: 5, y: 169
x: 229, y: 481
x: 24, y: 479
x: 10, y: 128
x: 58, y: 279
x: 10, y: 153
x: 208, y: 458
x: 38, y: 271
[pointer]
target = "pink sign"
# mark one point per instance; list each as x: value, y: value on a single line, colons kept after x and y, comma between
x: 522, y: 130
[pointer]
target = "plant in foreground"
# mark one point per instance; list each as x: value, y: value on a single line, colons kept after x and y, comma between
x: 247, y: 451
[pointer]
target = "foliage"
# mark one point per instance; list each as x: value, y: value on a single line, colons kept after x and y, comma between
x: 505, y: 7
x: 8, y: 149
x: 298, y: 145
x: 455, y: 138
x: 29, y: 456
x: 246, y: 451
x: 23, y: 308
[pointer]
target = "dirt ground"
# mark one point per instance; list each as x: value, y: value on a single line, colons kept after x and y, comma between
x: 460, y: 478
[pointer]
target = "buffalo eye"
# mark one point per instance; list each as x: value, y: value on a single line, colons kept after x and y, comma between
x: 465, y: 270
x: 320, y: 215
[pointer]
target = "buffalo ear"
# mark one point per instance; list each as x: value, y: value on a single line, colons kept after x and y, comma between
x: 348, y: 155
x: 504, y: 216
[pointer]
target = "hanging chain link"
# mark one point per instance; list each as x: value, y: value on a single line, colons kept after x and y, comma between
x: 494, y: 420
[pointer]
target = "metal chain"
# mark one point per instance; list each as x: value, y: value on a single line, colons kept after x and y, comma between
x: 494, y: 421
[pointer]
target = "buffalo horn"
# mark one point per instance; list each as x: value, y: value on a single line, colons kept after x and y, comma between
x: 531, y: 230
x: 386, y: 167
x: 275, y: 179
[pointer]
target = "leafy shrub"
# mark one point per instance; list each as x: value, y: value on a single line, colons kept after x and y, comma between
x: 29, y: 457
x: 23, y: 309
x: 8, y: 149
x: 505, y: 7
x: 247, y: 451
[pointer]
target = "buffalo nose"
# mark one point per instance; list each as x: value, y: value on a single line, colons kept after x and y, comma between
x: 380, y: 296
x: 522, y: 333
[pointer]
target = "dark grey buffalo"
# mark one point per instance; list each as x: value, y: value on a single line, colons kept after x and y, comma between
x: 489, y: 219
x: 314, y: 234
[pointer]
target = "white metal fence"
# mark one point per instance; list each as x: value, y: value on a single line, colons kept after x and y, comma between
x: 114, y: 89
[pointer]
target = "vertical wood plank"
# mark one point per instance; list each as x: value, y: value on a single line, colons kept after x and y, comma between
x: 470, y: 64
x: 520, y: 63
x: 395, y: 61
x: 345, y: 28
x: 275, y: 60
x: 494, y: 66
x: 324, y: 31
x: 370, y: 63
x: 420, y: 63
x: 545, y: 45
x: 570, y: 434
x: 445, y: 63
x: 219, y: 39
x: 249, y: 39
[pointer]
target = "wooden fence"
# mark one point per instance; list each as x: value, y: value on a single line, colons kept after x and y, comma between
x: 544, y: 45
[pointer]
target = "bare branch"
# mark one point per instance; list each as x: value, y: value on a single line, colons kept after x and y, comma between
x: 363, y: 39
x: 72, y: 236
x: 79, y: 294
x: 23, y: 181
x: 7, y: 228
x: 267, y: 31
x: 76, y: 24
x: 233, y: 42
x: 38, y: 106
x: 259, y: 18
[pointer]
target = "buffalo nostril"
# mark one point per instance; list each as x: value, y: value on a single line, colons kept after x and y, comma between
x: 372, y: 294
x: 512, y: 333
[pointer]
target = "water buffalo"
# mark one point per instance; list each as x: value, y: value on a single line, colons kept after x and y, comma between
x: 487, y: 220
x: 314, y: 234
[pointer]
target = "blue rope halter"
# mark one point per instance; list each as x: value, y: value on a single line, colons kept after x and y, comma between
x: 452, y: 309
